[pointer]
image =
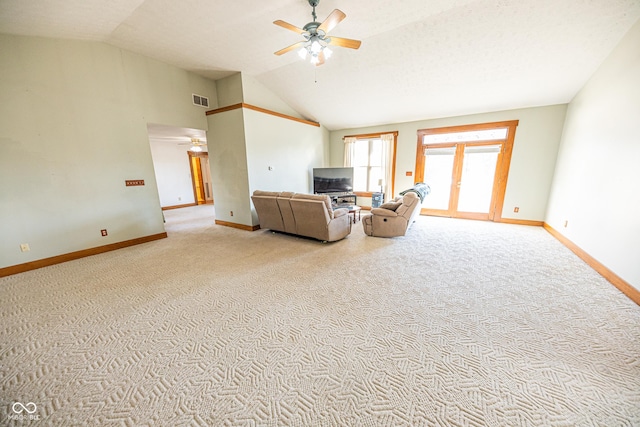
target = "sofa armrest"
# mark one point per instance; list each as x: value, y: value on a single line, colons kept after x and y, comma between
x: 340, y: 212
x: 383, y: 212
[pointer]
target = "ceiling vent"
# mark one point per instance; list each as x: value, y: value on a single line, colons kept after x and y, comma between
x: 200, y: 100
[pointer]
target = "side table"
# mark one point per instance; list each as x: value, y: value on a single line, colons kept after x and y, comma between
x: 355, y: 210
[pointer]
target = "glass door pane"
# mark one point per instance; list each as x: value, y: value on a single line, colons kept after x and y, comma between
x: 438, y: 167
x: 478, y: 173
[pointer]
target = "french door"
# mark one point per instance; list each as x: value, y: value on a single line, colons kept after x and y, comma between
x: 466, y: 168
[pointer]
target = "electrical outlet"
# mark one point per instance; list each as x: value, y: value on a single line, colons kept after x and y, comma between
x: 516, y: 209
x: 231, y: 213
x: 566, y: 223
x: 24, y: 247
x: 103, y: 232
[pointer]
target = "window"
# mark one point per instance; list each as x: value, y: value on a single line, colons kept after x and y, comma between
x: 372, y: 157
x: 466, y: 136
x: 367, y: 165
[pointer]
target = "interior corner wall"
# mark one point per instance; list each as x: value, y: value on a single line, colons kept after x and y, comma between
x: 595, y: 187
x: 228, y: 161
x: 244, y: 144
x: 229, y: 90
x: 532, y: 163
x: 282, y: 153
x: 255, y: 93
x: 73, y: 128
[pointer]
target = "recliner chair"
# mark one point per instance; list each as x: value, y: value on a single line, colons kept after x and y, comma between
x: 386, y: 221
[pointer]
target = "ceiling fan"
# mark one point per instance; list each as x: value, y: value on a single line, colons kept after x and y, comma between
x: 316, y: 43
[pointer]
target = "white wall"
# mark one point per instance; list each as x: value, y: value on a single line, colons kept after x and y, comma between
x: 532, y: 163
x: 172, y: 172
x: 228, y: 161
x: 229, y: 90
x: 291, y: 149
x: 255, y: 93
x: 597, y: 179
x: 73, y: 128
x: 244, y: 143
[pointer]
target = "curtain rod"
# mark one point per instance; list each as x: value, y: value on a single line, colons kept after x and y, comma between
x: 370, y: 135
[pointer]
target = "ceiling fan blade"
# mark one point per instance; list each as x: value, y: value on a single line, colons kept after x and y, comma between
x: 342, y: 42
x: 332, y: 20
x: 289, y: 26
x: 290, y: 48
x: 321, y: 59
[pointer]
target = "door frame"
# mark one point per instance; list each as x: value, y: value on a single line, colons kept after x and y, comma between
x: 197, y: 180
x: 502, y: 167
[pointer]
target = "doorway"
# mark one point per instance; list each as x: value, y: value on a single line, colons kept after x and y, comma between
x: 467, y: 169
x: 176, y: 172
x: 201, y: 177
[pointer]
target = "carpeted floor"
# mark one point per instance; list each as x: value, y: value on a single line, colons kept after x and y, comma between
x: 459, y: 323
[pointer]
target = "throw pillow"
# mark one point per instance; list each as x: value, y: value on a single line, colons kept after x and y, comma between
x: 392, y: 206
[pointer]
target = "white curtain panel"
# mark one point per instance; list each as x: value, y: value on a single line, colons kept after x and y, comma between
x: 349, y: 151
x: 388, y: 140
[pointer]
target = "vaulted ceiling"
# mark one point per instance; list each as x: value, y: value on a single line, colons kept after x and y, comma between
x: 419, y: 59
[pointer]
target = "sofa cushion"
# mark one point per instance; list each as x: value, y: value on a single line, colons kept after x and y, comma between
x: 266, y: 193
x: 267, y: 209
x: 326, y: 199
x: 408, y: 202
x: 284, y: 203
x: 392, y: 206
x: 383, y: 212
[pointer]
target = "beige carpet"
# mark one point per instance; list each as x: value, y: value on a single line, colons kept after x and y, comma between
x: 460, y: 323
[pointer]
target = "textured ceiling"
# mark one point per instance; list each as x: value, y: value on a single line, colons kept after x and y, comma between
x: 419, y: 58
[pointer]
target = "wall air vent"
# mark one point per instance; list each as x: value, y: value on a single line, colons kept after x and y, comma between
x: 200, y: 100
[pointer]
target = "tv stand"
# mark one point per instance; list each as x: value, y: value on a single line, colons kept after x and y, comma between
x: 343, y: 200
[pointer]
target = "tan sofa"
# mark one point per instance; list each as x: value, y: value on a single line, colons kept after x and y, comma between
x: 393, y: 218
x: 302, y: 214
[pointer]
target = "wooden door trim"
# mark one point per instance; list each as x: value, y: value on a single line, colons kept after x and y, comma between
x: 468, y: 128
x: 504, y: 170
x: 196, y: 196
x: 503, y: 162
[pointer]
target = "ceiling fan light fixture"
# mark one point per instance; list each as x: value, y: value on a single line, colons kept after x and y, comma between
x: 316, y: 40
x: 315, y: 47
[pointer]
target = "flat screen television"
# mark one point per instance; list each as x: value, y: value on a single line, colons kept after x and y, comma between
x: 332, y: 180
